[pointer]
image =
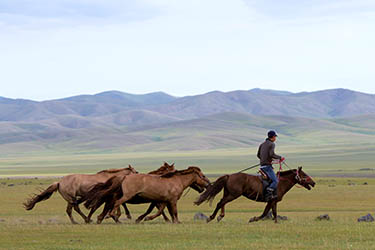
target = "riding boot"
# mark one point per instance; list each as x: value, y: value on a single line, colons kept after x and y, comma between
x: 270, y: 194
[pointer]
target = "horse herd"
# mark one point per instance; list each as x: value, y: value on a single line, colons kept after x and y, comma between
x: 161, y: 188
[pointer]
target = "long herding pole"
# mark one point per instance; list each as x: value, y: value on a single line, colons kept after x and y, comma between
x: 243, y: 170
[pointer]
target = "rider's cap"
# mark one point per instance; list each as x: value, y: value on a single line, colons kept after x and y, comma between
x: 271, y: 134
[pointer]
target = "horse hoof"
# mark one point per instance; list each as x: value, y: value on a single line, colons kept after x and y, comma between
x: 147, y: 219
x: 252, y: 220
x: 208, y: 220
x: 88, y: 221
x: 129, y: 217
x: 219, y: 218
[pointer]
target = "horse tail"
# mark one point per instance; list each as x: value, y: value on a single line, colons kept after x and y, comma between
x: 46, y: 194
x: 212, y: 190
x: 102, y: 192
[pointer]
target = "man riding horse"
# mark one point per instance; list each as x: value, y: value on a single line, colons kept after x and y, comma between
x: 266, y: 153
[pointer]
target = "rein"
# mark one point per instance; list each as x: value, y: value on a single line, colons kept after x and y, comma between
x: 243, y: 170
x: 187, y: 192
x: 297, y: 177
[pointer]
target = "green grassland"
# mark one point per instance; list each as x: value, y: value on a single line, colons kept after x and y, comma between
x: 48, y: 227
x: 318, y: 160
x: 333, y: 154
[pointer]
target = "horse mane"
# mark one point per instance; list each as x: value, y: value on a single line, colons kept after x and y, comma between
x: 112, y: 170
x: 162, y: 169
x: 189, y: 170
x: 287, y: 172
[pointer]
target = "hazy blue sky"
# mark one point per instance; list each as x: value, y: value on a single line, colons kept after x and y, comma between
x: 58, y: 48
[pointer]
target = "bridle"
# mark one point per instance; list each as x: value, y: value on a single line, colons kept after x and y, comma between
x: 300, y: 179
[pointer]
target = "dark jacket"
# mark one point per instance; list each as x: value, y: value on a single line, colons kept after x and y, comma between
x: 266, y: 153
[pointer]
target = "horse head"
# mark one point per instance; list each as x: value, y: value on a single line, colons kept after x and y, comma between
x: 170, y: 168
x: 304, y: 179
x: 201, y: 182
x: 132, y: 170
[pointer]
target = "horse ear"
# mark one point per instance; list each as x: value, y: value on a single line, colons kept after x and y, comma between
x: 299, y: 168
x: 172, y: 164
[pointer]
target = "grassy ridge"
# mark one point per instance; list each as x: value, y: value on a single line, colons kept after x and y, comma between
x: 219, y: 131
x: 326, y: 160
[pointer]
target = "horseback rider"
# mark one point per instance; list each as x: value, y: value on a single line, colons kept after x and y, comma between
x: 266, y: 153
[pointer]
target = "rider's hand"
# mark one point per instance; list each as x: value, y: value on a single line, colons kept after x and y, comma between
x: 282, y: 159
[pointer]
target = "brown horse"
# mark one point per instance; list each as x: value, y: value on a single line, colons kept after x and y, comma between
x: 167, y: 189
x: 73, y: 189
x: 108, y: 200
x: 251, y: 187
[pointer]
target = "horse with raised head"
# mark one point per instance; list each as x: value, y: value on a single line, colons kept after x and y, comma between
x: 73, y: 188
x: 111, y: 197
x: 251, y: 187
x: 166, y: 189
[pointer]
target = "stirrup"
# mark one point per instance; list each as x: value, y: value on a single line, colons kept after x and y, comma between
x: 270, y: 194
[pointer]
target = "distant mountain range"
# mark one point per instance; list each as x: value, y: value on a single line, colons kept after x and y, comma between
x: 115, y: 119
x: 319, y: 104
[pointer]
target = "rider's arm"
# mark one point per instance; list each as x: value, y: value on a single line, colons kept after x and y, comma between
x: 272, y: 153
x: 258, y: 154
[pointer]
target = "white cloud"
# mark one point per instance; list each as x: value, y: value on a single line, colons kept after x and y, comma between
x: 183, y: 47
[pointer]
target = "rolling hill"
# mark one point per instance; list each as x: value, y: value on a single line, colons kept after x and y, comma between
x: 118, y: 121
x: 224, y: 130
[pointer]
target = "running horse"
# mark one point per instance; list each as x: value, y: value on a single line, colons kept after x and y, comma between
x: 164, y: 169
x: 73, y: 188
x: 165, y: 189
x: 251, y: 187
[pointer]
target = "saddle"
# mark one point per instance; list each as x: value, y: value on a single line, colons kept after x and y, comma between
x: 266, y: 181
x: 264, y: 176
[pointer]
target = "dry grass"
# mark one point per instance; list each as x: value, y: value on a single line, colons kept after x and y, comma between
x: 47, y: 226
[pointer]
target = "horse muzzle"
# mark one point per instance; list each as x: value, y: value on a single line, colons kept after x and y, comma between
x: 308, y: 185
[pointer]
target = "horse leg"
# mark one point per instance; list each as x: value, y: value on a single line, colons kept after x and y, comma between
x: 78, y: 210
x: 149, y: 210
x: 213, y: 215
x: 160, y: 207
x: 118, y: 212
x: 224, y: 201
x: 222, y: 214
x: 117, y: 205
x: 265, y: 212
x: 227, y: 198
x: 171, y: 212
x: 92, y: 211
x: 274, y: 211
x: 69, y: 212
x: 107, y: 207
x: 127, y: 212
x: 174, y: 211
